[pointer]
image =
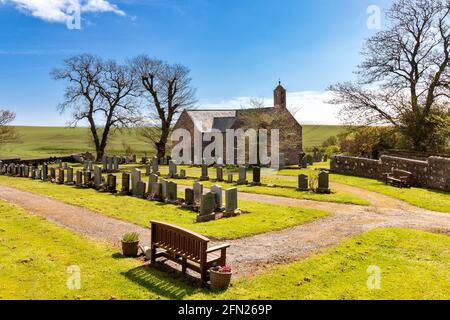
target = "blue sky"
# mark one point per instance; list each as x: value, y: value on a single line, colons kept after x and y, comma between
x: 235, y: 49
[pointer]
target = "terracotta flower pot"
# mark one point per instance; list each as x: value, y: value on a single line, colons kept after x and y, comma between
x: 130, y: 249
x: 219, y: 280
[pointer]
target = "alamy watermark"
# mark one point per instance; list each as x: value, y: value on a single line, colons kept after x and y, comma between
x: 374, y: 279
x: 235, y: 146
x: 374, y: 19
x: 73, y: 13
x: 74, y: 280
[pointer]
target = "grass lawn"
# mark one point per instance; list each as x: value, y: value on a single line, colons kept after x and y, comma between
x: 413, y: 265
x: 35, y: 256
x: 258, y: 217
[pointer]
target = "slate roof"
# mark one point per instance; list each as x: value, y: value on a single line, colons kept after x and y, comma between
x: 206, y: 120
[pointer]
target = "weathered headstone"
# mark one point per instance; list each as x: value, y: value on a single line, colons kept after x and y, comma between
x: 164, y: 190
x: 304, y: 163
x: 182, y: 174
x: 155, y: 165
x: 38, y: 174
x: 172, y: 170
x: 155, y: 191
x: 231, y: 201
x: 242, y: 175
x: 198, y: 192
x: 230, y: 178
x: 140, y: 190
x: 97, y: 177
x: 69, y: 178
x: 204, y: 176
x: 219, y: 173
x: 61, y: 176
x: 188, y: 196
x: 135, y: 178
x: 125, y: 183
x: 152, y: 178
x: 91, y: 165
x: 87, y: 179
x: 79, y: 178
x: 111, y: 183
x: 207, y: 207
x: 105, y: 163
x: 53, y: 174
x: 217, y: 190
x: 110, y: 164
x: 33, y: 173
x: 324, y: 186
x: 147, y: 169
x: 256, y: 176
x: 302, y: 182
x: 171, y: 192
x: 115, y: 164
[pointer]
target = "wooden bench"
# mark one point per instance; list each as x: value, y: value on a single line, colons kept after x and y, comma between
x: 186, y: 248
x: 398, y: 178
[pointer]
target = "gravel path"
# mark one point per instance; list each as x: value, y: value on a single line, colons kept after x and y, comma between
x: 252, y: 254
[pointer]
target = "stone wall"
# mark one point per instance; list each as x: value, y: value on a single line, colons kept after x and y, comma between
x: 433, y: 173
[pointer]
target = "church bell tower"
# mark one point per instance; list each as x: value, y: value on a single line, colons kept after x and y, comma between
x: 279, y: 96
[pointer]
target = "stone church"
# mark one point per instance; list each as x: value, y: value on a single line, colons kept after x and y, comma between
x: 276, y: 117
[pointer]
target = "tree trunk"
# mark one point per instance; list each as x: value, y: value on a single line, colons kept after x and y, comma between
x: 161, y: 144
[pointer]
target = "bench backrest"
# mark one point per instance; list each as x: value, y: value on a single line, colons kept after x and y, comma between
x: 184, y: 242
x: 400, y: 173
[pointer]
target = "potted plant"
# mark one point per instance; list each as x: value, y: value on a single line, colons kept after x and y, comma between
x: 220, y: 277
x: 130, y: 244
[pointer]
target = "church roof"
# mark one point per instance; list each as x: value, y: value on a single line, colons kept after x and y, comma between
x: 206, y: 120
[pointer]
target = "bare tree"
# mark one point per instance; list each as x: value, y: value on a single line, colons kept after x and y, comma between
x: 168, y: 90
x: 7, y: 133
x: 99, y: 92
x: 404, y: 79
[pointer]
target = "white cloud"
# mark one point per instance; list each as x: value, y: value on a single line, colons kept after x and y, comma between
x: 311, y: 105
x: 57, y: 10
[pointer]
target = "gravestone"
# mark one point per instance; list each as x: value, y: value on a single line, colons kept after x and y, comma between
x: 69, y: 179
x: 304, y: 163
x: 38, y: 174
x: 65, y: 166
x: 87, y: 177
x: 164, y: 190
x: 171, y: 192
x: 105, y: 163
x: 172, y: 169
x: 140, y: 190
x: 188, y: 196
x: 59, y: 163
x: 152, y: 178
x: 207, y: 207
x: 97, y: 177
x: 85, y: 165
x: 256, y: 176
x: 52, y: 174
x: 125, y: 183
x: 182, y: 174
x: 116, y: 163
x: 44, y: 172
x: 155, y: 191
x: 309, y: 159
x: 242, y: 175
x: 79, y: 178
x: 155, y: 165
x: 198, y: 192
x: 26, y: 171
x: 60, y: 176
x: 217, y: 190
x: 110, y: 164
x: 230, y: 178
x: 91, y: 165
x: 302, y: 182
x: 147, y: 169
x: 219, y: 173
x: 33, y: 173
x: 111, y: 183
x: 324, y: 186
x: 135, y: 178
x: 204, y: 176
x: 231, y: 202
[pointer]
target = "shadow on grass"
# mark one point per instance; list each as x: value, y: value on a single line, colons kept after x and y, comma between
x: 163, y: 281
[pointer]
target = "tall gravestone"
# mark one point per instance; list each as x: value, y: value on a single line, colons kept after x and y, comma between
x: 140, y: 190
x: 87, y: 179
x: 230, y: 178
x: 172, y: 169
x: 219, y: 173
x: 204, y: 176
x: 231, y: 201
x: 302, y: 182
x: 135, y: 178
x: 69, y: 180
x: 111, y: 183
x: 147, y: 169
x: 188, y: 196
x: 125, y: 183
x: 207, y: 207
x: 171, y: 192
x: 44, y: 172
x: 242, y: 175
x: 79, y: 178
x: 155, y: 165
x: 256, y: 176
x: 116, y: 163
x: 164, y: 190
x: 198, y: 192
x: 324, y: 186
x: 60, y: 176
x: 217, y: 190
x: 97, y: 177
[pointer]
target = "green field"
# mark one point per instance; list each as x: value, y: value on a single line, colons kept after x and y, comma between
x: 53, y: 141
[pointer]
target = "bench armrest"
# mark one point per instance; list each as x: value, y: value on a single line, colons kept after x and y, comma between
x: 217, y: 248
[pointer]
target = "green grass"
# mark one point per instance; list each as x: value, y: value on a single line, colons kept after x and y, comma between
x: 258, y: 217
x: 413, y: 265
x: 35, y: 256
x: 424, y: 198
x: 420, y: 197
x: 36, y: 142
